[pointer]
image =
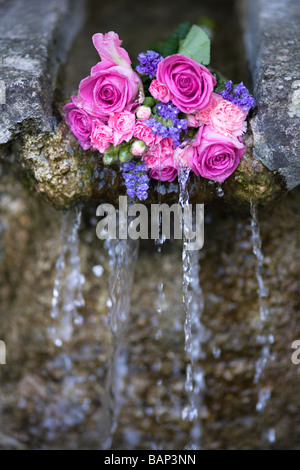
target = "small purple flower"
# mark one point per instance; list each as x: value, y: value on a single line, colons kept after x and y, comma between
x: 239, y: 96
x: 179, y: 125
x: 167, y: 110
x: 136, y: 179
x: 148, y: 63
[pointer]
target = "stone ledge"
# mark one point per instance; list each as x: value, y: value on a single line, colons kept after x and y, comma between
x: 272, y: 43
x: 35, y: 37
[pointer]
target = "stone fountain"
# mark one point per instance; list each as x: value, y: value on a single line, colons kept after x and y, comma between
x: 54, y: 396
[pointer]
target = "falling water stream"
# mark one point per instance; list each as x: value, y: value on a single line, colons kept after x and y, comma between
x: 67, y: 299
x: 195, y: 332
x: 122, y: 255
x: 67, y: 292
x: 265, y: 338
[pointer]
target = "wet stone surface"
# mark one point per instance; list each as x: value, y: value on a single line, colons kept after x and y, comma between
x: 34, y: 40
x: 272, y: 44
x: 54, y: 397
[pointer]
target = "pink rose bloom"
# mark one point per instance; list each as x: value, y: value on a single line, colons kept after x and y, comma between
x: 102, y: 136
x: 143, y: 113
x: 108, y: 47
x: 203, y: 116
x: 123, y: 124
x: 80, y: 124
x: 217, y: 155
x: 168, y: 172
x: 228, y: 119
x: 113, y: 86
x: 159, y: 91
x: 190, y: 84
x: 110, y: 89
x: 160, y: 161
x: 143, y: 132
x: 183, y: 156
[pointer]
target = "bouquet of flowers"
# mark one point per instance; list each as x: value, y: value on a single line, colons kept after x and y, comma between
x: 168, y: 114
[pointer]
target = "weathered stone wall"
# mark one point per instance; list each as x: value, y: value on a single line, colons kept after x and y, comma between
x: 273, y: 44
x: 35, y: 37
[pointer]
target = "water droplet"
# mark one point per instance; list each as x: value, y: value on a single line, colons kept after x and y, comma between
x: 98, y: 270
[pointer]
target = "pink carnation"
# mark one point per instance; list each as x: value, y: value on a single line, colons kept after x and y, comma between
x: 102, y: 136
x: 123, y: 124
x: 204, y: 115
x: 183, y: 156
x: 166, y: 146
x: 143, y: 132
x: 217, y: 156
x: 159, y: 91
x: 228, y: 119
x: 159, y: 159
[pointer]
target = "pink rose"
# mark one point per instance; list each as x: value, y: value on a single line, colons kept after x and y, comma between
x: 228, y: 119
x: 102, y: 136
x: 159, y: 91
x: 113, y: 86
x: 110, y: 89
x: 143, y: 132
x: 108, y: 47
x: 123, y: 124
x: 217, y: 156
x: 80, y: 124
x: 160, y: 161
x: 203, y: 116
x: 190, y: 84
x: 167, y: 173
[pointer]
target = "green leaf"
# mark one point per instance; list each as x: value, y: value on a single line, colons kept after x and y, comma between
x: 171, y: 45
x: 221, y: 80
x: 196, y: 45
x: 156, y: 46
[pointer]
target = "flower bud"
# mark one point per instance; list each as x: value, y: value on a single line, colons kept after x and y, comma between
x: 143, y: 112
x: 138, y: 148
x: 109, y: 158
x: 125, y: 155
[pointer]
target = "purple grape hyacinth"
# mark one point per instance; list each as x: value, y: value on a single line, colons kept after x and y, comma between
x: 169, y: 112
x: 136, y: 179
x: 239, y: 96
x: 148, y: 63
